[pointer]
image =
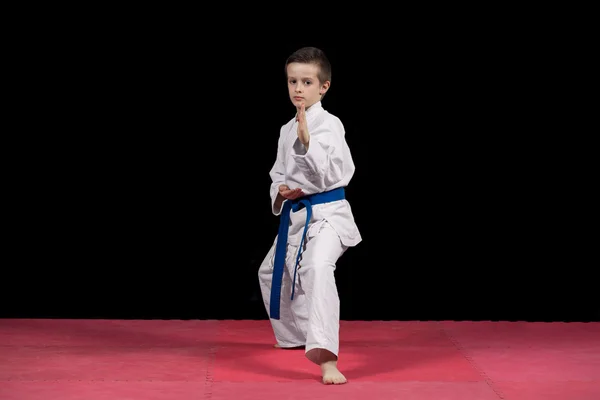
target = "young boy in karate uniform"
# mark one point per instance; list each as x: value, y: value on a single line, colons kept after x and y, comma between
x: 312, y: 168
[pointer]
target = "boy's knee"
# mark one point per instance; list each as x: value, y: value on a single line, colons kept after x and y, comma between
x: 265, y: 271
x: 262, y: 270
x: 316, y: 268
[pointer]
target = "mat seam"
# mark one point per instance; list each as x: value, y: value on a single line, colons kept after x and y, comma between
x: 209, y: 379
x: 472, y: 362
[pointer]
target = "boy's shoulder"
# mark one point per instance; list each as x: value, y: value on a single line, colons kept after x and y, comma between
x: 329, y: 121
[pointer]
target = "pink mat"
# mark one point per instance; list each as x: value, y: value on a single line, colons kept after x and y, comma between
x: 171, y: 359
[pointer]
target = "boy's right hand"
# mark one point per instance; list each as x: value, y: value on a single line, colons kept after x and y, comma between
x: 290, y: 194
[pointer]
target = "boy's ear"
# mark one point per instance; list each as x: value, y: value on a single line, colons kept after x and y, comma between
x: 325, y: 87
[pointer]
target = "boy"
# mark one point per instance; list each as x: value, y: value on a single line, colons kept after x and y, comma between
x: 312, y: 168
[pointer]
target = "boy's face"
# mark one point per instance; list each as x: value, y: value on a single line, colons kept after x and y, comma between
x: 303, y: 84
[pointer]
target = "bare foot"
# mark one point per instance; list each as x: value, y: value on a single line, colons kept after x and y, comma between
x: 331, y: 375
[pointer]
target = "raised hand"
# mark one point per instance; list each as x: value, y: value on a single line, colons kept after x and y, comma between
x: 303, y: 134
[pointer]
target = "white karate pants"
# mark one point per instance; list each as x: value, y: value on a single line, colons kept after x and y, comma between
x: 312, y: 319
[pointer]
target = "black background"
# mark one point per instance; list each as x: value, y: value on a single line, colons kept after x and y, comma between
x: 140, y: 187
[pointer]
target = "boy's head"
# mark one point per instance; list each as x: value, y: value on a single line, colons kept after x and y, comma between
x: 308, y: 73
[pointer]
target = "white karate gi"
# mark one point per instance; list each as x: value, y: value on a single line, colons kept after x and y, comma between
x: 312, y: 318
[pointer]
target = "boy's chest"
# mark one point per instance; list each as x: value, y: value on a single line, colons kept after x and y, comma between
x: 292, y: 133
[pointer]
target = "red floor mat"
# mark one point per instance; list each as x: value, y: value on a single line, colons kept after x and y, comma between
x: 550, y: 390
x: 171, y: 359
x: 356, y: 390
x: 101, y: 390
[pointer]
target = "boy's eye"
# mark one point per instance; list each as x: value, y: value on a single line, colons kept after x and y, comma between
x: 305, y: 82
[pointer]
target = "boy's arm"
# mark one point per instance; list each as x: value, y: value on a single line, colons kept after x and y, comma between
x: 277, y: 180
x: 278, y: 202
x: 320, y: 154
x: 280, y: 191
x: 303, y: 134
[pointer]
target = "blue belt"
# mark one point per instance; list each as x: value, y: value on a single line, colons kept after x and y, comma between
x: 281, y: 246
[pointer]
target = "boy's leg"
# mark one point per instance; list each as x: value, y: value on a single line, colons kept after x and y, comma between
x: 316, y: 275
x: 290, y: 329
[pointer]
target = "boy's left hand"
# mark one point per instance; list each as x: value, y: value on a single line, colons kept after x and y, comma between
x: 302, y: 126
x: 290, y: 194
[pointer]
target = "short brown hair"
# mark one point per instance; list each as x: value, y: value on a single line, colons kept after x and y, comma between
x: 312, y: 55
